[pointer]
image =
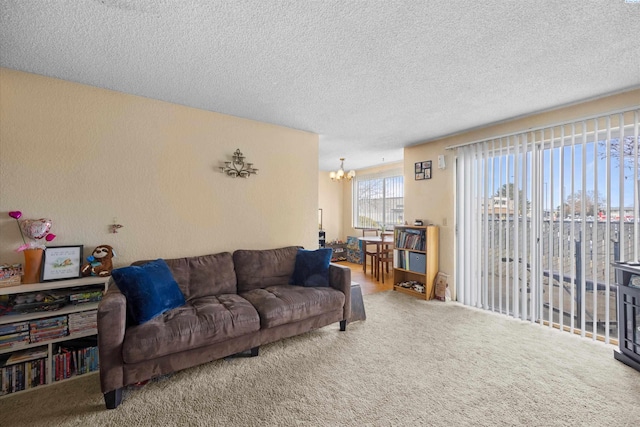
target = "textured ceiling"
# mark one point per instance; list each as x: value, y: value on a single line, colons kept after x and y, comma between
x: 370, y: 77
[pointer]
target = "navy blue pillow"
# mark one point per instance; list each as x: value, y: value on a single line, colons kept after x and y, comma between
x: 150, y: 289
x: 312, y: 268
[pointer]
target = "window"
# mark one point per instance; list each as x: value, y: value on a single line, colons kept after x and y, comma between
x: 378, y: 200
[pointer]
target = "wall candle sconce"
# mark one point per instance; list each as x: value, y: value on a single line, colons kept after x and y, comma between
x: 237, y: 167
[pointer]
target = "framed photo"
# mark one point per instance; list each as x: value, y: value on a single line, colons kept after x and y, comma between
x: 423, y: 170
x: 61, y: 262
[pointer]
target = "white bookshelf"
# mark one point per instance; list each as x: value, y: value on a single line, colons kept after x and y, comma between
x: 53, y: 343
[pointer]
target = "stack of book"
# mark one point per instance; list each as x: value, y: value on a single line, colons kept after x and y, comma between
x: 14, y: 335
x: 75, y: 358
x: 410, y: 239
x: 48, y: 329
x: 84, y: 323
x: 78, y: 296
x: 23, y: 370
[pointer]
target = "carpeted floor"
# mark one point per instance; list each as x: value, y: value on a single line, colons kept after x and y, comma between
x: 410, y: 363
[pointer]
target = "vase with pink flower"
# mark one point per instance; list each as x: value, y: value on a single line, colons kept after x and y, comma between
x: 36, y: 230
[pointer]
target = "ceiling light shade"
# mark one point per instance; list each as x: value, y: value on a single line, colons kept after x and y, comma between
x: 340, y: 173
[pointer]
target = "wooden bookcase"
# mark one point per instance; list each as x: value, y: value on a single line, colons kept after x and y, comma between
x: 415, y: 259
x: 71, y: 303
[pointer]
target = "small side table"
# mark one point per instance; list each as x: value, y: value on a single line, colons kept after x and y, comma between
x: 357, y: 304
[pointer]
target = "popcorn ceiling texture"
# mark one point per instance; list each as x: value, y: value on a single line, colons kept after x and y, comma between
x: 369, y: 77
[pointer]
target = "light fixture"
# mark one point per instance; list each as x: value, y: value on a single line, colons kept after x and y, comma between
x: 340, y: 173
x: 237, y: 167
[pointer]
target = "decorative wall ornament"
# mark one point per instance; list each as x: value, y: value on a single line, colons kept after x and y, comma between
x: 115, y: 226
x: 237, y: 167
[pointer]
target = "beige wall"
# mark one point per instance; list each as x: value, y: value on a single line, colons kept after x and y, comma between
x: 433, y: 199
x: 330, y: 199
x: 83, y: 156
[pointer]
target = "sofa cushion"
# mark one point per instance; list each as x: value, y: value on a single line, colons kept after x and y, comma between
x: 262, y: 268
x: 202, y: 321
x: 204, y: 275
x: 282, y: 304
x: 150, y: 290
x: 312, y: 267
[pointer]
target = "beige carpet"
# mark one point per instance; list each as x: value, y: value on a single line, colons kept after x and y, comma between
x: 410, y: 363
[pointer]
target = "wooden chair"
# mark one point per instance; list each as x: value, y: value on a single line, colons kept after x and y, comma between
x: 366, y: 251
x: 385, y: 256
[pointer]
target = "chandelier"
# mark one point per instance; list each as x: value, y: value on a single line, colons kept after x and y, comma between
x: 340, y: 174
x: 237, y: 167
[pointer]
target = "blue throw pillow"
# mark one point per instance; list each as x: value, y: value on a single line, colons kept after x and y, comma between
x: 150, y: 289
x: 312, y: 268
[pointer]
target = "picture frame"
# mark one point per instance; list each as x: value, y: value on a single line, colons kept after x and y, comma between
x: 423, y: 170
x: 61, y: 263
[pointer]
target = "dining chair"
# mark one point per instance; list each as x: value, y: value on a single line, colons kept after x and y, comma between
x: 385, y: 255
x: 369, y: 252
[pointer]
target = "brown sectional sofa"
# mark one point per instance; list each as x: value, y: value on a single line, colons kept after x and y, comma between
x: 234, y: 303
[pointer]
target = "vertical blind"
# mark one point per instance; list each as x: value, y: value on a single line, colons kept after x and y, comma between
x: 542, y: 214
x: 378, y: 199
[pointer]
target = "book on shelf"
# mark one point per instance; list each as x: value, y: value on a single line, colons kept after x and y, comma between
x: 14, y: 327
x: 23, y: 376
x: 83, y: 322
x: 410, y: 239
x: 14, y: 336
x: 48, y: 321
x: 14, y: 344
x: 78, y: 296
x: 26, y: 355
x: 49, y: 336
x: 18, y: 336
x: 48, y: 328
x: 76, y: 357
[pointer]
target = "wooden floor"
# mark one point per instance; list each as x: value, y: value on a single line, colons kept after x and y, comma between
x: 368, y: 283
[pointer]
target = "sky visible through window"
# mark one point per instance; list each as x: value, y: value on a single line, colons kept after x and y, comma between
x: 569, y: 181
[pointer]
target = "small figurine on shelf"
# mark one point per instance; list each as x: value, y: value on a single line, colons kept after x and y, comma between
x: 99, y: 263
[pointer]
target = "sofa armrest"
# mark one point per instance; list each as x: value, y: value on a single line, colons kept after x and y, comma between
x: 340, y: 279
x: 112, y: 324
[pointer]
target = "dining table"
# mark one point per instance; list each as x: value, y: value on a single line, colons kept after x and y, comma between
x: 386, y: 238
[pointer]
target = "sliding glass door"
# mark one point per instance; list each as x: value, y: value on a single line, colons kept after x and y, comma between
x: 540, y: 217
